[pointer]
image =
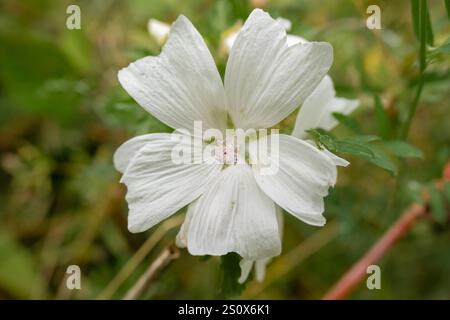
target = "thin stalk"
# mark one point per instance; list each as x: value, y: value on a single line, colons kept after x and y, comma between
x: 422, y: 65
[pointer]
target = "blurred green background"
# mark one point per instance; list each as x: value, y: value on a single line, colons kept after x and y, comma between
x: 63, y: 114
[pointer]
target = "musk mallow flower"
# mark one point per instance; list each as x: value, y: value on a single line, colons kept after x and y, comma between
x: 231, y: 208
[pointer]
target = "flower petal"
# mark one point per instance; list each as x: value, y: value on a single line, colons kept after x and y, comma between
x: 336, y: 160
x: 302, y: 180
x: 182, y: 236
x: 260, y: 265
x: 246, y: 267
x: 158, y: 187
x: 265, y: 80
x: 260, y: 269
x: 182, y: 84
x: 234, y: 215
x: 292, y: 40
x: 129, y: 149
x: 316, y: 111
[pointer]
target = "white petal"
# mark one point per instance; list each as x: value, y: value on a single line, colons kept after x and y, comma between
x: 266, y: 80
x: 260, y: 266
x: 316, y: 111
x: 158, y: 30
x: 234, y: 215
x: 246, y: 266
x: 260, y: 269
x: 286, y: 23
x: 129, y: 149
x: 157, y: 187
x: 302, y: 180
x: 182, y: 84
x: 336, y: 160
x: 280, y: 219
x: 293, y: 40
x: 340, y: 105
x: 182, y: 236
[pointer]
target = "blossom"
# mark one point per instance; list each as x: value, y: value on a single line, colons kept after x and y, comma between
x: 231, y: 208
x: 158, y: 30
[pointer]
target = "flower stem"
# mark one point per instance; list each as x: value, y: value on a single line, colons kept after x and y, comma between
x: 412, y: 109
x: 422, y: 66
x: 164, y: 259
x: 353, y: 277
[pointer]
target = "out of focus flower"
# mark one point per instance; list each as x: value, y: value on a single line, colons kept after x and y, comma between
x: 158, y: 30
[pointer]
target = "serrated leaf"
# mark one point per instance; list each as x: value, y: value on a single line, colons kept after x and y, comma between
x: 382, y: 160
x: 437, y: 204
x: 231, y: 272
x: 403, y: 149
x: 358, y: 146
x: 354, y: 148
x: 347, y: 121
x: 364, y: 138
x: 323, y: 139
x: 383, y: 122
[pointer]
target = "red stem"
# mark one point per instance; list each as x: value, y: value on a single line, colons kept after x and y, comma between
x: 354, y: 276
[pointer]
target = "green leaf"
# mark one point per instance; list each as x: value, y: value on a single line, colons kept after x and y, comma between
x: 437, y: 204
x: 231, y: 272
x: 355, y: 148
x: 347, y: 122
x: 383, y: 122
x: 358, y: 146
x: 323, y: 139
x: 364, y: 138
x: 39, y: 78
x: 382, y: 160
x: 18, y: 268
x: 403, y: 149
x: 350, y: 146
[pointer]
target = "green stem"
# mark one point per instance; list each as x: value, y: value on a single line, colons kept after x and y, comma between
x: 412, y: 109
x: 422, y: 65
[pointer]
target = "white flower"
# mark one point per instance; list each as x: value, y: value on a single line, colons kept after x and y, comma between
x: 232, y: 208
x: 317, y: 110
x: 158, y: 30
